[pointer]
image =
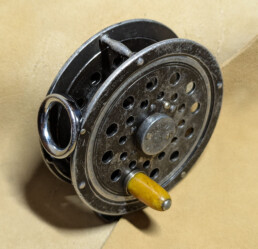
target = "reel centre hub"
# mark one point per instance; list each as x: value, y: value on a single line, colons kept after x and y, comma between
x: 155, y: 133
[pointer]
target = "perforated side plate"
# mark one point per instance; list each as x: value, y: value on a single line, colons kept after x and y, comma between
x: 176, y: 71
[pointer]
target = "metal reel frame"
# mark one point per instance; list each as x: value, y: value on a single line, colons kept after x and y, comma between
x: 157, y: 48
x: 87, y: 59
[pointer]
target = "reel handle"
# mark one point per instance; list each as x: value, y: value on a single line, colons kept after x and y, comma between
x: 148, y: 191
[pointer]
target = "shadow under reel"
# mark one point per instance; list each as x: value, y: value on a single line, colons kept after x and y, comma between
x: 128, y: 115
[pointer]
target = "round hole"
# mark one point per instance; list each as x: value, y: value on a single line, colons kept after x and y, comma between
x: 154, y: 173
x: 82, y: 185
x: 132, y: 165
x: 116, y: 175
x: 160, y: 95
x: 146, y: 164
x: 123, y: 156
x: 80, y: 102
x: 181, y: 123
x: 174, y: 97
x: 107, y: 157
x: 56, y: 109
x: 195, y: 107
x: 95, y: 78
x: 130, y: 121
x: 181, y: 108
x: 122, y: 140
x: 174, y: 156
x: 189, y: 132
x: 190, y: 87
x: 174, y: 139
x: 152, y: 84
x: 117, y: 61
x: 174, y: 79
x: 128, y: 103
x: 161, y: 155
x: 112, y: 130
x: 144, y: 104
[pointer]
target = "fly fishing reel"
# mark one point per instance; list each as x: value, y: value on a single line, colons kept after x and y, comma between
x: 129, y: 114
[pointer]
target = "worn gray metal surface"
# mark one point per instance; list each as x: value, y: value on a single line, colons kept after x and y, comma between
x: 148, y: 101
x: 155, y: 133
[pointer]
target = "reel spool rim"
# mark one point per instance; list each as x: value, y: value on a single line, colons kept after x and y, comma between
x: 178, y: 47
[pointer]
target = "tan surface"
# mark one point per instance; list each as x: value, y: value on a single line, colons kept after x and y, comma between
x: 216, y: 206
x: 36, y: 210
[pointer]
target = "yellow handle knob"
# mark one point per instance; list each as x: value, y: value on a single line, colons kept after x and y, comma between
x: 149, y: 192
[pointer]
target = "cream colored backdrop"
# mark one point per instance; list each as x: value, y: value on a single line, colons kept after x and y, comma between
x: 36, y: 38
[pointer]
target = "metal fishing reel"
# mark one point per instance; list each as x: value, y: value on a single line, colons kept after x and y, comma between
x: 129, y: 114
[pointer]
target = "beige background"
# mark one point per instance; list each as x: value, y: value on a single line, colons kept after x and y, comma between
x: 38, y: 211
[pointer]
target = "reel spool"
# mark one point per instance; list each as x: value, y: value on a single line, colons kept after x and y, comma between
x: 129, y: 114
